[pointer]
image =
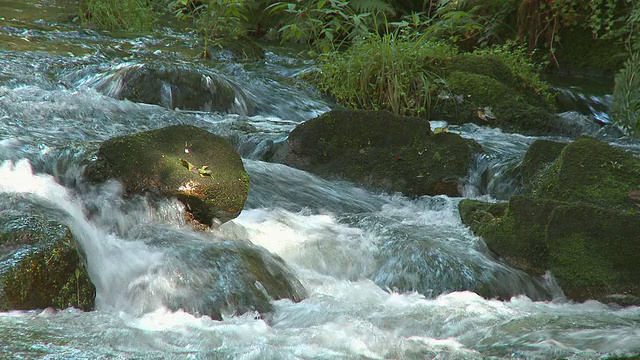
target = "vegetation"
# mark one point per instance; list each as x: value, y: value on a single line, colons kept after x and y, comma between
x: 212, y: 18
x: 132, y: 15
x: 626, y: 96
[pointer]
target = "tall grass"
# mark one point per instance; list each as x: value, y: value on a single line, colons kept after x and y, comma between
x: 390, y: 71
x: 132, y: 15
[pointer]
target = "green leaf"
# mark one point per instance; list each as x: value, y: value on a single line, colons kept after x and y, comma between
x: 187, y: 164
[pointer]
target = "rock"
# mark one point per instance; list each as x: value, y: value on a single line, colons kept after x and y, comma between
x: 177, y: 87
x: 200, y: 169
x: 40, y: 266
x: 541, y: 153
x: 216, y: 277
x: 574, y: 124
x: 432, y: 270
x: 594, y: 253
x: 381, y: 150
x: 580, y: 219
x: 483, y: 90
x: 591, y: 171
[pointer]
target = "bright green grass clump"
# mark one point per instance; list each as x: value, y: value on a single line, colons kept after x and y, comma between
x: 387, y: 72
x: 132, y: 15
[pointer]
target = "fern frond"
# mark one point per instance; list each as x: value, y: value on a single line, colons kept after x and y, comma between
x: 626, y: 95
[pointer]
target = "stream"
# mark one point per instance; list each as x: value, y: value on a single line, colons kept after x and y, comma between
x: 343, y: 242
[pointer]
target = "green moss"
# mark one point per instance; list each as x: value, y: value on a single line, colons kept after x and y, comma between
x: 152, y: 161
x: 538, y: 157
x: 589, y: 170
x: 594, y: 251
x: 381, y: 150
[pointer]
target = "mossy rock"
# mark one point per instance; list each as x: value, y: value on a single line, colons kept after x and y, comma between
x: 595, y: 253
x: 592, y: 171
x: 40, y: 267
x: 200, y: 169
x: 383, y: 151
x: 486, y: 92
x: 518, y: 234
x: 540, y: 154
x: 177, y: 87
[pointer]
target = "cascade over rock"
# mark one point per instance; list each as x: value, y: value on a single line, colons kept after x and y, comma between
x: 177, y: 87
x: 200, y: 169
x: 579, y: 218
x: 381, y: 150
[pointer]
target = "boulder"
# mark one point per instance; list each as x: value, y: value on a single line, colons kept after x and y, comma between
x: 383, y: 151
x: 40, y: 266
x: 177, y: 87
x: 591, y: 171
x: 216, y: 276
x: 579, y: 218
x: 483, y: 90
x: 200, y: 169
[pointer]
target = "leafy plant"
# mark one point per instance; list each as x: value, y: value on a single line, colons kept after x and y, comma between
x: 540, y: 22
x: 133, y: 15
x: 626, y: 96
x: 212, y: 18
x: 328, y: 25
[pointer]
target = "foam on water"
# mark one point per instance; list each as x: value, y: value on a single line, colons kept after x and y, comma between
x: 115, y: 266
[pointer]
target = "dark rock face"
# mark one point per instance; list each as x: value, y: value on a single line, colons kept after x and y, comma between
x: 175, y: 87
x: 200, y: 169
x: 580, y: 219
x: 380, y: 150
x: 40, y: 266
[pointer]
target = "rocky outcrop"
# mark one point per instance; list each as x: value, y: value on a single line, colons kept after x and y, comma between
x: 200, y: 169
x: 579, y: 218
x: 40, y: 266
x: 176, y: 87
x: 383, y: 151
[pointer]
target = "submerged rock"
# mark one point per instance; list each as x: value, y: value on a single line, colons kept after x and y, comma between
x: 40, y: 266
x: 381, y: 150
x: 200, y: 169
x: 580, y: 219
x: 177, y: 87
x: 216, y: 277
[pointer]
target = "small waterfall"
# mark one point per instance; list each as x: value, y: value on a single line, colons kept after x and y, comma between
x: 115, y: 266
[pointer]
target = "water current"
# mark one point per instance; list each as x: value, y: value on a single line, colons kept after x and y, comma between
x: 346, y: 244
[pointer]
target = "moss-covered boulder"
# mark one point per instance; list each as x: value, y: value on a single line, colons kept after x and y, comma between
x: 40, y: 266
x: 591, y: 171
x: 485, y: 91
x: 593, y: 252
x: 580, y: 219
x: 380, y: 150
x: 177, y: 87
x: 200, y: 169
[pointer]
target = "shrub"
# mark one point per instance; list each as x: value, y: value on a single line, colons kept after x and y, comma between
x: 626, y: 96
x: 212, y: 18
x: 389, y: 71
x: 133, y: 15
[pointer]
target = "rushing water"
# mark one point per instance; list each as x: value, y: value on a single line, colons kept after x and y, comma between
x: 347, y: 245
